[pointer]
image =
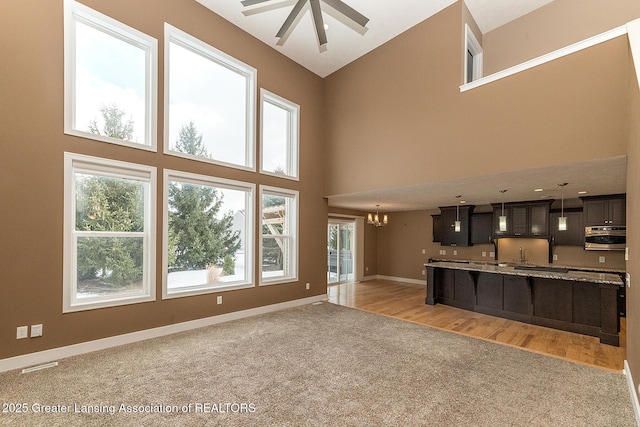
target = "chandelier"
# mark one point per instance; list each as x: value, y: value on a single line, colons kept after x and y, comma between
x: 375, y: 219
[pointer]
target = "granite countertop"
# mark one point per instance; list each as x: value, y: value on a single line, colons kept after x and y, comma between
x: 576, y: 275
x: 570, y: 267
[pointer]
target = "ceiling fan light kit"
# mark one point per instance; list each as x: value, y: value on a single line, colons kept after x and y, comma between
x: 316, y: 12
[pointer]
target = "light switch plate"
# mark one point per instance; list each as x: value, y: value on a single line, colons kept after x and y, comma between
x: 492, y: 254
x: 555, y: 257
x: 484, y: 253
x: 455, y: 252
x: 601, y: 259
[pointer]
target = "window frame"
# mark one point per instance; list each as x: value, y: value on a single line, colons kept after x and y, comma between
x: 293, y: 151
x: 473, y: 47
x: 197, y: 179
x: 199, y: 47
x: 292, y: 236
x: 117, y: 169
x: 76, y: 12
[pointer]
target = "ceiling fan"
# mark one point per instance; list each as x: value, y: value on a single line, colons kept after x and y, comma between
x: 316, y: 13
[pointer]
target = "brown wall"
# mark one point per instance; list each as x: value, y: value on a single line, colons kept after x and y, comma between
x: 551, y: 27
x: 403, y: 98
x: 32, y: 144
x: 633, y: 211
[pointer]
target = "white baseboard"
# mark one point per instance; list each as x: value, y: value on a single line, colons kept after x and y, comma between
x: 46, y: 356
x: 633, y: 392
x: 404, y: 280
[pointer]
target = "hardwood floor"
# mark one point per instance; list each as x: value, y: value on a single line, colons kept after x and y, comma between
x: 406, y: 302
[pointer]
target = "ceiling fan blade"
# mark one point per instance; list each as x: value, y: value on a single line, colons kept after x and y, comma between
x: 348, y: 11
x: 252, y: 2
x: 318, y: 21
x: 291, y: 18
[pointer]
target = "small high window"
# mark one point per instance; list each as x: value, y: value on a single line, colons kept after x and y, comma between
x: 110, y: 79
x: 473, y: 57
x: 279, y: 136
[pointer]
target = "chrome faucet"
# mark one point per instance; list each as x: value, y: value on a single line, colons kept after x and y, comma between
x: 521, y: 260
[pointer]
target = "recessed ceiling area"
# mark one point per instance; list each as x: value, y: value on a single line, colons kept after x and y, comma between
x: 387, y: 19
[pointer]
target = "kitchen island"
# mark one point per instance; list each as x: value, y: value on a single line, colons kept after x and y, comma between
x: 576, y: 301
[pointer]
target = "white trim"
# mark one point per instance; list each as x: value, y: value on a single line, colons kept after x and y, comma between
x: 106, y: 167
x: 293, y: 235
x: 587, y: 43
x: 77, y: 12
x: 192, y: 178
x: 472, y: 45
x: 633, y: 29
x: 47, y: 356
x: 293, y: 152
x: 632, y: 391
x: 199, y: 47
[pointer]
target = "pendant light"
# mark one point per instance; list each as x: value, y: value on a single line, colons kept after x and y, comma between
x: 456, y: 224
x: 562, y: 220
x: 502, y: 219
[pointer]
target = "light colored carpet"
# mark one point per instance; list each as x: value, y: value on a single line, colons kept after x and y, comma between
x: 320, y: 365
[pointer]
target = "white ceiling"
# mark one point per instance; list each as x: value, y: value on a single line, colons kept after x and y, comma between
x: 387, y: 19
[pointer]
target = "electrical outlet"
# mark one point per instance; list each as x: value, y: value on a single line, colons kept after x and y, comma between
x: 308, y: 286
x: 492, y: 254
x: 626, y: 254
x: 36, y: 331
x: 424, y: 251
x: 22, y: 332
x: 601, y: 259
x: 423, y: 272
x: 555, y: 257
x: 484, y: 253
x: 366, y: 269
x: 455, y: 252
x: 628, y: 280
x: 219, y: 300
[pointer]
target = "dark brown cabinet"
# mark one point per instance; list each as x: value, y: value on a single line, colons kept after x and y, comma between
x: 604, y: 210
x: 448, y: 235
x: 574, y: 234
x: 437, y: 226
x: 524, y: 219
x: 481, y: 228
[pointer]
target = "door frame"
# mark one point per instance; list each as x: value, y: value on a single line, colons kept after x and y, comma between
x: 358, y: 250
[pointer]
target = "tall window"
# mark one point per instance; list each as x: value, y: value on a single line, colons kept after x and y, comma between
x: 279, y: 246
x: 109, y: 248
x: 213, y: 93
x: 110, y: 79
x: 279, y: 136
x: 208, y: 231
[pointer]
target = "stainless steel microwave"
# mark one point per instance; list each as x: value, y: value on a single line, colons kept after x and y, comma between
x: 605, y: 238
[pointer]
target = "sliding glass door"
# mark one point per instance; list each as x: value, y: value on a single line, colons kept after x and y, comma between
x: 340, y: 251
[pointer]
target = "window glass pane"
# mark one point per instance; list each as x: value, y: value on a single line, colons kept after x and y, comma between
x: 207, y: 239
x: 275, y: 257
x: 109, y: 266
x: 275, y: 139
x: 274, y: 215
x: 210, y: 101
x: 109, y: 204
x: 278, y: 246
x: 110, y: 82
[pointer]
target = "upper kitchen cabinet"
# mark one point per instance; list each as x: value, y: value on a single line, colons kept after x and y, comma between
x: 605, y: 210
x: 448, y: 234
x: 524, y: 219
x: 574, y: 234
x: 481, y: 228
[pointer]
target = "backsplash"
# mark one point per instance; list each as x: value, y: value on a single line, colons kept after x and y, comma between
x: 533, y: 251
